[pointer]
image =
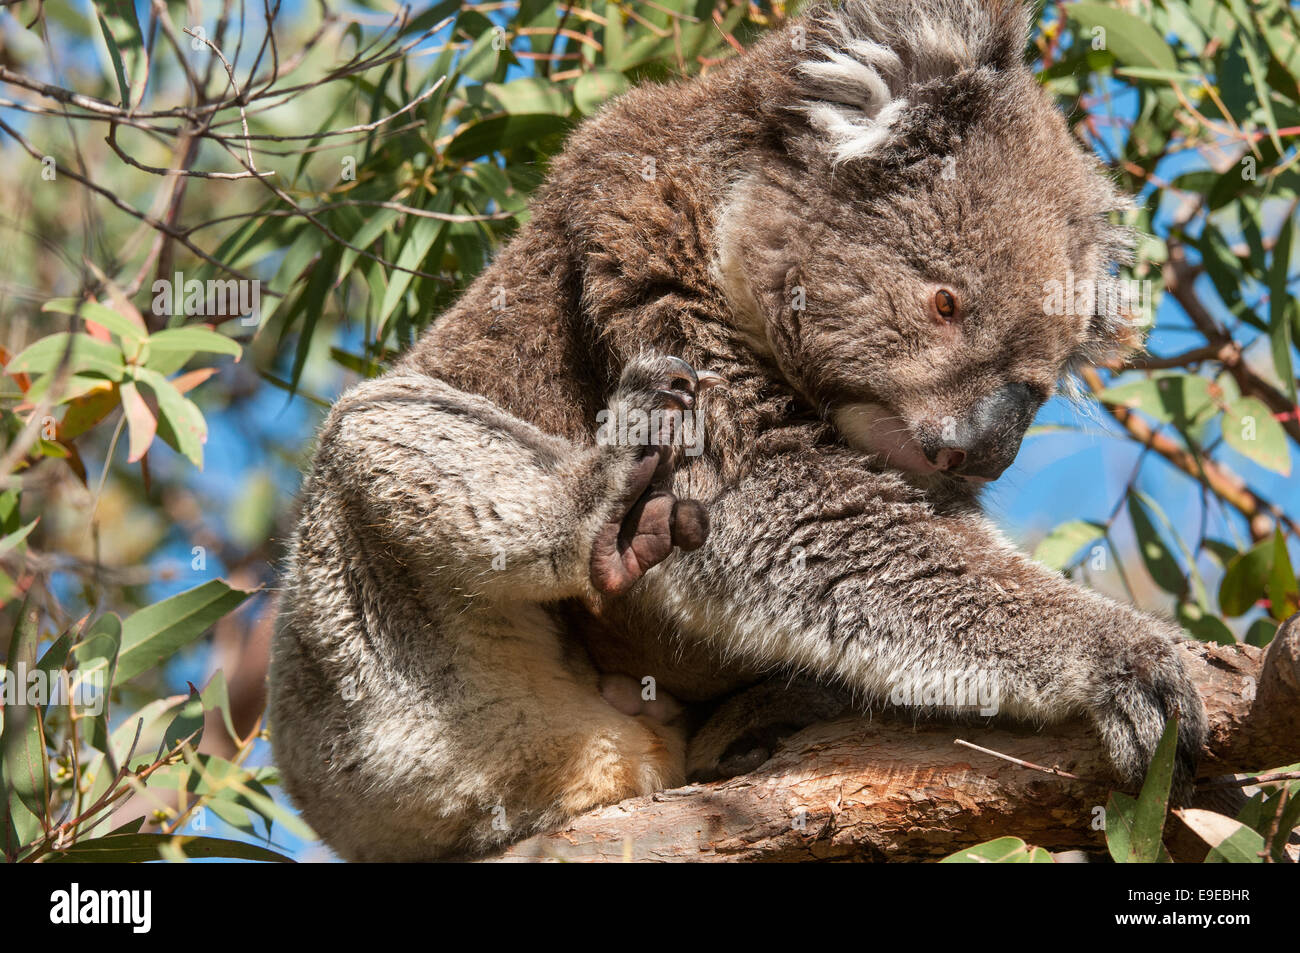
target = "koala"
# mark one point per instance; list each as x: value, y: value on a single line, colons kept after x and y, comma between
x: 811, y: 283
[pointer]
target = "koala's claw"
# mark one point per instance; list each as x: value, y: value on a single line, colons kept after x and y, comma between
x: 1134, y: 701
x: 684, y: 382
x: 648, y: 520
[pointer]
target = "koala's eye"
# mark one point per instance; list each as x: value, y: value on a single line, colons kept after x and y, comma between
x: 944, y: 304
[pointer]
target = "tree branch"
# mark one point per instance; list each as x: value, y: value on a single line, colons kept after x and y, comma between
x: 1228, y: 485
x: 886, y: 788
x: 1179, y: 275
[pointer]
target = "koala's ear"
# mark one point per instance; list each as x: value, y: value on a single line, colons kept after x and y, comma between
x: 1113, y: 339
x: 1122, y: 309
x: 865, y: 60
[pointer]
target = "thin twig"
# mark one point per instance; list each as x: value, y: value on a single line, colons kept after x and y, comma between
x: 1029, y: 764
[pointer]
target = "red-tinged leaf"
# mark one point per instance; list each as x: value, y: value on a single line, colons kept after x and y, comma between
x: 141, y: 423
x: 182, y: 427
x: 24, y: 381
x: 125, y: 307
x: 191, y: 379
x: 75, y: 463
x: 87, y: 410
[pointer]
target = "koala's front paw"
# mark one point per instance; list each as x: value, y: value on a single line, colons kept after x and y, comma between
x: 1139, y: 686
x: 647, y: 419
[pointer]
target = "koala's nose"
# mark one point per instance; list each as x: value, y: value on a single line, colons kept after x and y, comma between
x: 984, y: 444
x: 949, y: 458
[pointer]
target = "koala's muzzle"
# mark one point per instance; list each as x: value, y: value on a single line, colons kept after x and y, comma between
x: 983, y: 444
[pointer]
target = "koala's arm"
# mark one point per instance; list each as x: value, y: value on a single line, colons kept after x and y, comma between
x: 464, y: 491
x: 489, y: 504
x: 818, y: 562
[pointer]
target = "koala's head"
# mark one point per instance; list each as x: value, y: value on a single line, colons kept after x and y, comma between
x: 906, y: 243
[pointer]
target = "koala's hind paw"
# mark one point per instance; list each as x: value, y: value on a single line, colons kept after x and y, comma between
x: 647, y: 419
x: 1144, y: 686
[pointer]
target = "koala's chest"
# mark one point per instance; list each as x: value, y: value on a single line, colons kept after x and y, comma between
x: 624, y: 641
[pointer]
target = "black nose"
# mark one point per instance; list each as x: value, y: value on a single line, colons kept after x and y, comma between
x: 984, y: 443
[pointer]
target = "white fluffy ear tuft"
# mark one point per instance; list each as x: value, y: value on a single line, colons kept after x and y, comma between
x: 866, y: 54
x: 855, y: 133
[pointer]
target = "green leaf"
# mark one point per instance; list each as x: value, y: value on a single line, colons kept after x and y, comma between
x: 187, y: 726
x: 376, y: 224
x: 1281, y: 306
x: 141, y: 848
x: 25, y: 765
x: 1283, y: 588
x: 96, y: 663
x: 1183, y: 400
x: 612, y: 38
x: 1283, y: 814
x: 252, y: 511
x: 1158, y: 75
x: 1250, y: 429
x: 89, y: 409
x: 217, y: 779
x: 181, y: 423
x: 216, y: 697
x: 1246, y: 579
x: 17, y: 536
x: 149, y: 722
x: 74, y: 386
x: 482, y: 61
x: 87, y: 354
x: 56, y: 657
x: 192, y: 340
x: 1160, y: 562
x: 528, y: 94
x: 130, y: 333
x: 1261, y: 632
x: 313, y: 299
x: 593, y: 89
x: 364, y: 366
x: 1255, y: 65
x: 304, y: 249
x: 121, y: 30
x: 1058, y: 548
x: 153, y: 634
x: 259, y: 800
x: 1120, y: 811
x: 1202, y: 625
x: 119, y: 70
x: 1223, y: 553
x: 1004, y: 850
x: 484, y: 136
x: 1145, y: 844
x: 422, y: 234
x: 1230, y: 841
x: 1133, y: 42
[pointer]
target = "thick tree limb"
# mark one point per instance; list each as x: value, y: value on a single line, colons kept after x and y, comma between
x: 881, y: 787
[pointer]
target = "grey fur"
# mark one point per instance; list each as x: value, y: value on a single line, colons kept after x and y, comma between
x: 471, y: 570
